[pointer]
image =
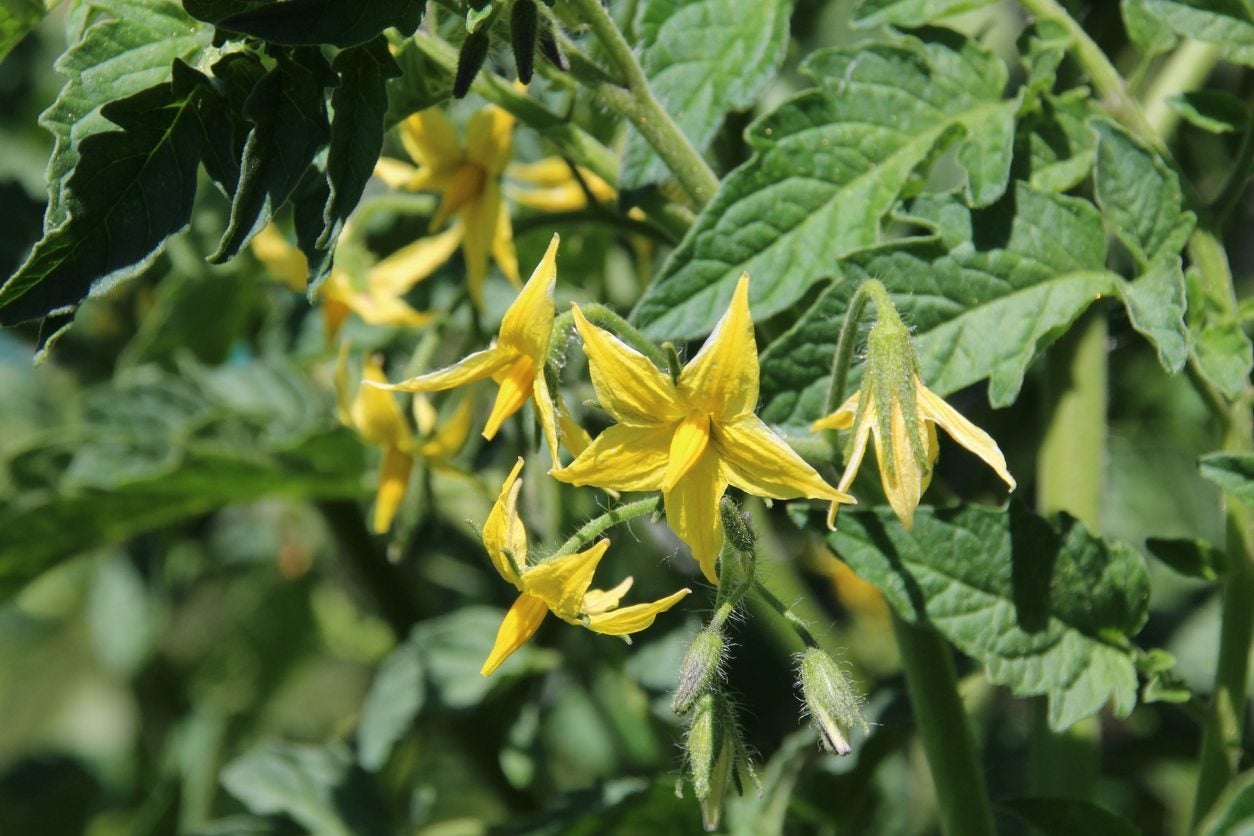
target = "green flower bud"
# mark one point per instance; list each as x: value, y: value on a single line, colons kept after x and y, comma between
x: 832, y: 705
x: 702, y: 664
x: 469, y: 61
x: 711, y: 753
x: 522, y: 32
x: 736, y: 526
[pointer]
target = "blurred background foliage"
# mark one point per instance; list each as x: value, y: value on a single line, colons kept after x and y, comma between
x: 227, y: 649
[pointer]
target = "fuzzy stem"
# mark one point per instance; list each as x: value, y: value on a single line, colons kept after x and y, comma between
x: 870, y: 289
x: 794, y: 621
x: 603, y: 317
x: 596, y: 526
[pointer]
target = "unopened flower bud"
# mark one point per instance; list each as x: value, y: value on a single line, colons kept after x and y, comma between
x: 711, y: 754
x: 736, y: 526
x: 700, y: 667
x: 831, y: 703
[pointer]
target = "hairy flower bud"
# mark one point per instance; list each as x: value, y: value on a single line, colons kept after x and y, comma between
x: 830, y: 702
x: 700, y: 667
x: 736, y: 526
x: 711, y: 754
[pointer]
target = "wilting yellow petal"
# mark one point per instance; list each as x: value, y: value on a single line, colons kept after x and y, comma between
x: 520, y: 624
x: 489, y: 139
x: 628, y: 386
x: 397, y: 274
x: 758, y: 461
x: 723, y: 378
x: 842, y: 418
x: 284, y: 261
x: 857, y: 451
x: 635, y: 618
x: 528, y: 323
x: 374, y: 413
x: 597, y: 601
x: 451, y: 435
x: 503, y: 244
x: 903, y: 477
x: 963, y: 431
x: 393, y: 480
x: 394, y: 173
x: 622, y: 458
x: 503, y: 531
x: 562, y: 581
x: 431, y: 140
x: 692, y: 512
x: 691, y: 437
x: 517, y: 382
x: 477, y: 366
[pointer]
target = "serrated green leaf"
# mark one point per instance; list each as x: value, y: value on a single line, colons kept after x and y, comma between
x: 1061, y: 148
x: 1234, y: 472
x: 393, y: 702
x: 289, y: 126
x: 1224, y: 355
x: 1212, y: 110
x: 911, y: 13
x: 310, y: 22
x: 1233, y: 813
x: 131, y: 190
x: 1068, y: 816
x: 1191, y: 558
x: 1156, y: 306
x: 226, y: 129
x: 1150, y: 34
x: 1228, y: 23
x: 703, y: 58
x: 1045, y: 611
x: 1001, y: 286
x: 422, y: 84
x: 828, y: 164
x: 126, y: 46
x: 17, y: 17
x: 308, y: 211
x: 1140, y: 195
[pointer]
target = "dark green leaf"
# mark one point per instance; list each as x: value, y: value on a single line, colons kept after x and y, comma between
x: 1156, y: 306
x: 1233, y: 813
x: 1224, y: 355
x: 828, y: 165
x: 130, y: 192
x: 1068, y: 816
x: 17, y: 17
x: 308, y: 211
x: 454, y: 647
x: 226, y: 129
x: 1045, y: 611
x: 1229, y: 23
x: 1212, y: 110
x: 1191, y: 558
x: 422, y: 84
x: 1150, y: 34
x: 391, y: 706
x: 1234, y: 472
x: 310, y: 22
x: 911, y: 13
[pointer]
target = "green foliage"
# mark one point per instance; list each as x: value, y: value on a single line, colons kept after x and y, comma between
x: 1234, y: 811
x: 1061, y: 816
x: 910, y: 13
x: 1234, y: 472
x: 1228, y: 23
x: 17, y: 17
x: 308, y: 22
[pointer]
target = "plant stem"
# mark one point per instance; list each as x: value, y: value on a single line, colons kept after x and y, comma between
x: 638, y: 104
x: 1185, y: 70
x: 794, y: 621
x: 594, y: 527
x: 944, y: 730
x: 603, y: 317
x: 382, y: 579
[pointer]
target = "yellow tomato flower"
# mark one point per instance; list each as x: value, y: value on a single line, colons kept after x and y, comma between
x: 692, y: 438
x: 469, y: 180
x: 901, y: 414
x: 375, y: 416
x: 559, y: 585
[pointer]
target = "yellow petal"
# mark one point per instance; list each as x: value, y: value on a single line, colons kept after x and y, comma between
x: 692, y: 435
x: 424, y: 414
x: 547, y: 413
x: 857, y: 451
x: 692, y: 512
x: 397, y: 274
x: 477, y: 366
x: 430, y: 139
x: 575, y: 437
x: 374, y: 412
x: 284, y: 261
x: 842, y: 418
x: 520, y: 624
x: 381, y: 309
x: 635, y: 618
x: 451, y: 435
x: 903, y: 481
x: 393, y: 480
x: 597, y: 601
x: 963, y: 431
x: 503, y: 246
x: 567, y: 198
x: 723, y: 378
x: 528, y: 323
x: 622, y: 458
x: 394, y: 173
x: 628, y: 386
x: 503, y: 531
x: 562, y: 581
x: 334, y: 313
x: 480, y: 218
x: 489, y: 139
x: 546, y: 173
x: 760, y: 462
x: 517, y: 382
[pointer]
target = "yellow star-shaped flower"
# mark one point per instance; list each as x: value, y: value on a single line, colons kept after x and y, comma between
x: 690, y: 438
x: 559, y: 585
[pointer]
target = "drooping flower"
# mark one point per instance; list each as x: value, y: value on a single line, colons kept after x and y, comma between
x: 692, y: 437
x: 559, y: 585
x: 901, y: 414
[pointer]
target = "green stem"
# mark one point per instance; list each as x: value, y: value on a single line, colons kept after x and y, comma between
x: 1185, y: 70
x: 638, y: 104
x: 869, y: 290
x: 603, y: 317
x: 793, y: 620
x: 596, y: 526
x: 944, y: 730
x: 581, y: 217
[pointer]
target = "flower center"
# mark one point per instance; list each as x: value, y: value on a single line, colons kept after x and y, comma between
x: 692, y: 436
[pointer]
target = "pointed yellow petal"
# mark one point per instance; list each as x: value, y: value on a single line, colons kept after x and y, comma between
x: 430, y: 139
x: 477, y: 366
x: 334, y: 313
x: 528, y: 323
x: 567, y: 198
x: 628, y: 386
x: 964, y: 432
x: 933, y: 451
x: 517, y: 382
x: 397, y: 274
x: 562, y: 581
x: 382, y: 309
x: 451, y: 435
x: 758, y: 461
x: 842, y: 418
x: 424, y: 414
x: 635, y: 618
x: 857, y: 451
x: 597, y: 601
x: 575, y: 437
x: 503, y: 246
x: 723, y: 378
x: 687, y: 446
x: 623, y: 458
x: 284, y: 261
x: 546, y: 173
x: 904, y: 485
x: 520, y: 624
x: 489, y: 139
x: 394, y: 173
x: 374, y: 412
x: 480, y: 218
x: 393, y: 480
x: 547, y: 413
x: 692, y: 512
x: 503, y: 531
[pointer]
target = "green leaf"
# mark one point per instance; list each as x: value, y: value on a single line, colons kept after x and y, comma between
x: 1233, y: 813
x: 393, y: 702
x: 1140, y: 195
x: 226, y: 129
x: 1212, y: 110
x: 1228, y: 23
x: 1234, y: 472
x: 310, y: 22
x: 1191, y: 558
x: 129, y: 193
x: 1061, y: 148
x: 997, y: 288
x: 1156, y: 307
x: 17, y: 17
x: 911, y: 13
x: 454, y: 647
x: 359, y: 105
x: 422, y: 84
x: 289, y: 126
x: 703, y: 58
x: 1068, y: 816
x: 1150, y: 34
x: 828, y: 164
x: 1224, y: 355
x: 1045, y: 611
x: 126, y: 46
